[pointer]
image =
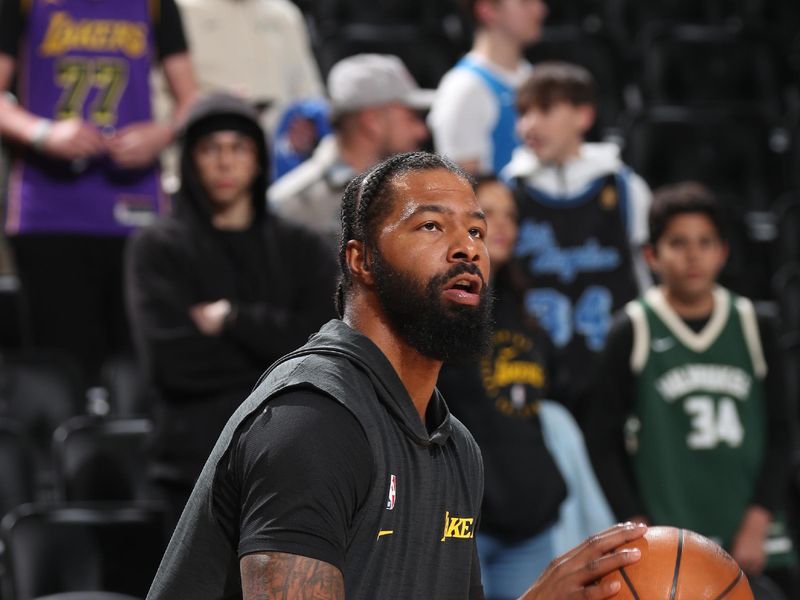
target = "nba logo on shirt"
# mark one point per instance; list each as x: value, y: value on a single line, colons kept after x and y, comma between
x: 392, y: 492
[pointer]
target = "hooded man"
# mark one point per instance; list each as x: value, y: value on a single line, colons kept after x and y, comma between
x: 218, y: 291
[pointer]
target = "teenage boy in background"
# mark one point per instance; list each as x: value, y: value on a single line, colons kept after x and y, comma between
x: 583, y: 218
x: 218, y: 291
x: 690, y: 423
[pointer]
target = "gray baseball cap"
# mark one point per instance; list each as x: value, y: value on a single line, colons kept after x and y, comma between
x: 366, y: 80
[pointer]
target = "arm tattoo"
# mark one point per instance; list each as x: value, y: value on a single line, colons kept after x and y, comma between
x: 280, y: 576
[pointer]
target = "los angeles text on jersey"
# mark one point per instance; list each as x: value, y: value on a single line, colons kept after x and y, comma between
x: 458, y: 527
x: 65, y: 34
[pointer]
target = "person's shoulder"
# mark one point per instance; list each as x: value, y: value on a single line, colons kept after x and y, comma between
x: 281, y: 9
x: 523, y: 164
x: 601, y: 156
x: 300, y: 413
x: 318, y: 408
x: 295, y: 237
x: 166, y: 231
x: 195, y: 5
x: 622, y: 320
x: 458, y: 82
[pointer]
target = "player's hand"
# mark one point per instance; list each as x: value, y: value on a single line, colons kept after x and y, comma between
x: 748, y: 544
x: 139, y: 144
x: 73, y: 139
x: 574, y: 575
x: 209, y: 317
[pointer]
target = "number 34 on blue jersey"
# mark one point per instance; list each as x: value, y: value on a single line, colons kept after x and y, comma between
x: 589, y: 317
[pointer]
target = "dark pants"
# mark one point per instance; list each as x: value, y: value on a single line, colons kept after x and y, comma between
x: 73, y: 286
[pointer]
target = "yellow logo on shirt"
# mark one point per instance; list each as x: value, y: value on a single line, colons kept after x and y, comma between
x: 506, y: 373
x: 609, y: 197
x: 65, y: 34
x: 458, y: 527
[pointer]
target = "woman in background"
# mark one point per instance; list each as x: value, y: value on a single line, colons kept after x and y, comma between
x: 540, y: 495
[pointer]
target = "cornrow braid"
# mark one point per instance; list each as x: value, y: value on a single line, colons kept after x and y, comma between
x: 367, y: 198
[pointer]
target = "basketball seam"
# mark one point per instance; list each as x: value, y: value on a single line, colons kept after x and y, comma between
x: 677, y: 566
x: 629, y: 582
x: 733, y: 584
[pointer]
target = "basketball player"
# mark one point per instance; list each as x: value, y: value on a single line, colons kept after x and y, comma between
x: 343, y: 474
x: 84, y: 173
x: 690, y: 385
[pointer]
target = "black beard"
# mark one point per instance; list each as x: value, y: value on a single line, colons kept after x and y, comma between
x: 453, y: 333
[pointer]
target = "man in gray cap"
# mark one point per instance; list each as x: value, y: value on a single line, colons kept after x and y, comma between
x: 374, y: 110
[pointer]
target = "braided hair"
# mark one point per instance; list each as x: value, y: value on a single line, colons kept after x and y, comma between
x: 367, y: 199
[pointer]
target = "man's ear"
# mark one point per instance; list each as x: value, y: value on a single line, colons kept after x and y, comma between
x: 587, y: 114
x: 370, y: 120
x: 651, y: 256
x: 726, y: 251
x: 483, y: 12
x: 358, y: 262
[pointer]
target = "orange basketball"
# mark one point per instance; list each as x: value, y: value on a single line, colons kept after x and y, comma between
x: 678, y: 564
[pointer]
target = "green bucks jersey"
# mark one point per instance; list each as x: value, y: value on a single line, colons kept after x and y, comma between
x: 698, y: 432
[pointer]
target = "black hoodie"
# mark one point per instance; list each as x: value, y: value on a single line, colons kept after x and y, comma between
x: 412, y: 535
x: 280, y: 280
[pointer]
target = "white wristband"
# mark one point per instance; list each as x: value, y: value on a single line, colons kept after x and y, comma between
x: 40, y: 133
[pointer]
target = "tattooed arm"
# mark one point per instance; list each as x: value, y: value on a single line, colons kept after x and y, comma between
x: 280, y: 576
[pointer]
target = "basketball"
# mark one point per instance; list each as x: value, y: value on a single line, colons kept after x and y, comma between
x: 679, y: 564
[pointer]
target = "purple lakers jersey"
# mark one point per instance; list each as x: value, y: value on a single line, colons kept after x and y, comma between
x: 89, y: 59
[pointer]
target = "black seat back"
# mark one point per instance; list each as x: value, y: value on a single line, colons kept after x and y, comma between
x: 70, y: 548
x: 101, y: 459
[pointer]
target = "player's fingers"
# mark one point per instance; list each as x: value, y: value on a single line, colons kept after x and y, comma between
x: 613, y: 537
x: 592, y: 542
x: 601, y: 566
x: 599, y: 591
x: 590, y: 545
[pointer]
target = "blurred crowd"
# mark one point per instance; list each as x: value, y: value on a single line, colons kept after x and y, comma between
x: 172, y: 176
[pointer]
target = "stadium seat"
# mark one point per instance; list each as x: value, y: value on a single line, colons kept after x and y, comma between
x: 101, y: 459
x: 745, y: 271
x: 790, y: 349
x: 87, y: 596
x: 786, y: 215
x: 633, y: 17
x: 786, y: 287
x: 124, y: 382
x: 414, y: 30
x: 17, y: 479
x: 739, y: 154
x: 588, y: 14
x: 39, y: 391
x: 52, y: 549
x: 709, y: 67
x: 15, y: 328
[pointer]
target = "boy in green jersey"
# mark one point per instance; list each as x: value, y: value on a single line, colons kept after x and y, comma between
x: 690, y: 425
